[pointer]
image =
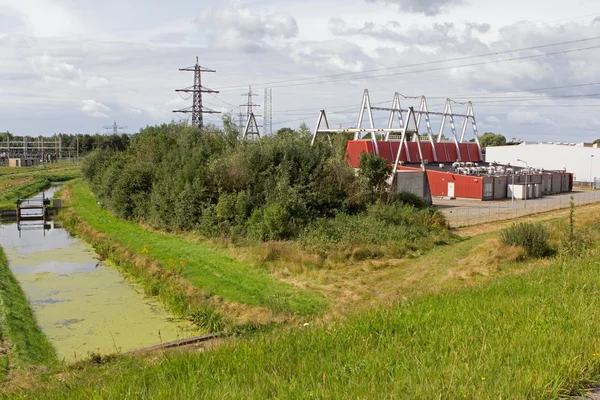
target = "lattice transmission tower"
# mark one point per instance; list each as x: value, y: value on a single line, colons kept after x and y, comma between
x: 197, y: 109
x: 115, y: 128
x: 268, y: 118
x: 251, y: 127
x: 241, y: 120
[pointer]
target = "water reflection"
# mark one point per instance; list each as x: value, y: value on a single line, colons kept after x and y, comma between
x: 81, y: 304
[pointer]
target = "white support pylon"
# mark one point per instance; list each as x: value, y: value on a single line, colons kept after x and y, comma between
x: 366, y: 106
x: 448, y: 113
x: 396, y: 110
x: 471, y: 118
x: 322, y: 118
x: 412, y: 127
x: 424, y: 110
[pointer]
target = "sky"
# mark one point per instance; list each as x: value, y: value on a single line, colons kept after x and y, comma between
x: 529, y: 67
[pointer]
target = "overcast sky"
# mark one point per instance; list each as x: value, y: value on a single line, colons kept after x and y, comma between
x: 75, y: 66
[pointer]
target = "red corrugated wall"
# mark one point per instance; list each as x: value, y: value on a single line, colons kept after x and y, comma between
x: 469, y: 187
x: 355, y: 147
x: 446, y: 152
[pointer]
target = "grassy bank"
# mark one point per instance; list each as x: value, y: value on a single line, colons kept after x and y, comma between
x: 213, y: 273
x: 532, y: 336
x: 18, y: 183
x: 22, y: 343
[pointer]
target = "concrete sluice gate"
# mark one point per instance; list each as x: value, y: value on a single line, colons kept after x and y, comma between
x: 84, y: 305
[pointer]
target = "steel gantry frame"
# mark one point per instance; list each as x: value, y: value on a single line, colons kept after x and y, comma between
x: 396, y: 114
x: 31, y: 146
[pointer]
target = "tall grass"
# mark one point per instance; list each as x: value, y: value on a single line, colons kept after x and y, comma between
x: 533, y: 237
x: 26, y: 344
x: 533, y: 336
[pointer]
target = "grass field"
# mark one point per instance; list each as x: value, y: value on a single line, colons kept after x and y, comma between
x: 25, y: 182
x: 22, y: 344
x: 471, y: 319
x: 213, y: 272
x: 534, y: 335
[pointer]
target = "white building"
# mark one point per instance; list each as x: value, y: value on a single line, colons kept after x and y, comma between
x: 583, y: 159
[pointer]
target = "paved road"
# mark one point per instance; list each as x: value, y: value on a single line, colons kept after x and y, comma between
x: 466, y: 212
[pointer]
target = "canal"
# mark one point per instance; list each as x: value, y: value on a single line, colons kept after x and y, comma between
x: 82, y: 304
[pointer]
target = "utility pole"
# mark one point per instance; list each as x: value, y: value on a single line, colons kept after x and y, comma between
x: 197, y: 109
x: 115, y: 128
x: 268, y: 118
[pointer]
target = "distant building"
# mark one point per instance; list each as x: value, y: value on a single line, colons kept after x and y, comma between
x: 581, y: 159
x: 19, y: 162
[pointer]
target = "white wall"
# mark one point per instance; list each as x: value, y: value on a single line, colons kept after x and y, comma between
x: 576, y: 159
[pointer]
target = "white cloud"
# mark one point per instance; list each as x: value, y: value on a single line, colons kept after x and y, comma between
x: 55, y: 62
x: 241, y: 29
x: 52, y: 69
x: 45, y: 18
x: 95, y: 109
x: 49, y: 68
x: 427, y: 7
x: 528, y: 117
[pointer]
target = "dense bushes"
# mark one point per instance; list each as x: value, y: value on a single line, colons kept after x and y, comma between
x: 534, y: 238
x: 179, y: 178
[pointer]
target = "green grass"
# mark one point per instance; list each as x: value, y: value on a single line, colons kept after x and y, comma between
x: 41, y: 179
x: 206, y: 268
x: 26, y: 343
x: 533, y: 336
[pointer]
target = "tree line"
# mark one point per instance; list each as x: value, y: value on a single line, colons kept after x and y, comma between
x: 86, y: 143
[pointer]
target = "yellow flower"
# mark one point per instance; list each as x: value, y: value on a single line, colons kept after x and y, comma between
x: 483, y: 378
x: 146, y: 250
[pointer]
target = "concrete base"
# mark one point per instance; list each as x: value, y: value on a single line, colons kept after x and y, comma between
x: 414, y: 182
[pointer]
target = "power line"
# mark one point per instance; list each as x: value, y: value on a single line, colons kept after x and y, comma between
x: 345, y: 74
x: 451, y: 67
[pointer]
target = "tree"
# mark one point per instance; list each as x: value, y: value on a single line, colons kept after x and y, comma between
x: 492, y: 139
x: 304, y: 130
x: 597, y: 141
x: 374, y: 172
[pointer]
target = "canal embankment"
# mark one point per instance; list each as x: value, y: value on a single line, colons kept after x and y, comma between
x: 22, y: 343
x: 63, y: 297
x: 193, y: 280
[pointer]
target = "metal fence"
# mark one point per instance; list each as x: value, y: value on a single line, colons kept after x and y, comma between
x: 467, y: 216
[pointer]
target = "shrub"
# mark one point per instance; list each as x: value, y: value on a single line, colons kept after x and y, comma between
x: 208, y: 318
x: 178, y: 177
x: 532, y: 237
x: 410, y: 198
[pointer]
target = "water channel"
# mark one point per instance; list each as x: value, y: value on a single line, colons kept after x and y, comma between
x: 81, y: 304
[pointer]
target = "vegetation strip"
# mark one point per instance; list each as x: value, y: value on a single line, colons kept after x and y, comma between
x: 205, y: 268
x: 25, y: 343
x: 38, y: 180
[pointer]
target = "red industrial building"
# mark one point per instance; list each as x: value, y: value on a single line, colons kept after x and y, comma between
x: 468, y: 177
